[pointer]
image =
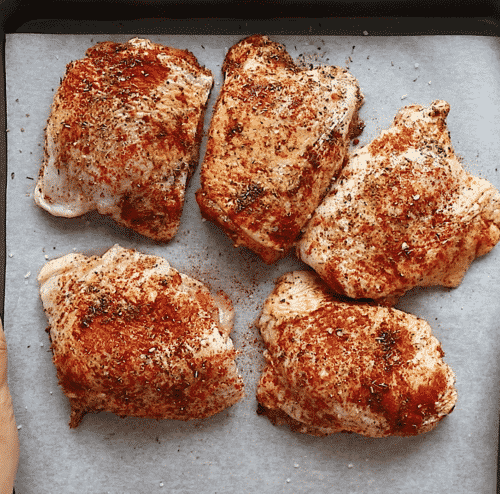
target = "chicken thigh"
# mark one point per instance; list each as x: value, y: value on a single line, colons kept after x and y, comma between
x: 278, y: 135
x: 402, y: 213
x: 124, y: 134
x: 133, y: 336
x: 345, y: 366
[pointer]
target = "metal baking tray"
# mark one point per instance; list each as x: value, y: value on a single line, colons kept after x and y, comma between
x: 398, y: 60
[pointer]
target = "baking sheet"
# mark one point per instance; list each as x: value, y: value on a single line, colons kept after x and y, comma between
x: 237, y: 450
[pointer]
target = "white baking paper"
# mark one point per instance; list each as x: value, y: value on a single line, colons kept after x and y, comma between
x: 239, y: 451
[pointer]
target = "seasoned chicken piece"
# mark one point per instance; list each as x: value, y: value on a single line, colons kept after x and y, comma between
x: 124, y: 134
x: 278, y: 135
x: 336, y: 366
x: 403, y: 213
x: 133, y: 336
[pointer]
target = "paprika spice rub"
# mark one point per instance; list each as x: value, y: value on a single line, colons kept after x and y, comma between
x: 132, y: 336
x: 402, y: 213
x: 278, y: 135
x: 124, y: 135
x: 347, y: 366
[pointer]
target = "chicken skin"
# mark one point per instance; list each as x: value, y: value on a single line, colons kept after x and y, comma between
x: 132, y: 336
x: 402, y: 213
x: 278, y: 135
x: 124, y: 134
x: 346, y: 366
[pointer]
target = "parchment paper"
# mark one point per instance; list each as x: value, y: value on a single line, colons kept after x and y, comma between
x: 238, y: 451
